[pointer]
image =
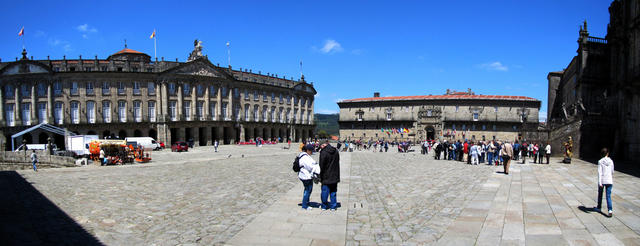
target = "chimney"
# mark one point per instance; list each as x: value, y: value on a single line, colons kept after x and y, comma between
x: 448, y: 91
x: 376, y: 94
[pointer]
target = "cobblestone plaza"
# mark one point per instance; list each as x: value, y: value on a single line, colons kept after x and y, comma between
x: 244, y: 195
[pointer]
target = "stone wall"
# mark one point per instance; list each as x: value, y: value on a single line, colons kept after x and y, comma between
x: 21, y: 160
x: 560, y: 134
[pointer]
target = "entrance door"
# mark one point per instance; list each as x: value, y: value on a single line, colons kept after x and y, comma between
x: 431, y: 133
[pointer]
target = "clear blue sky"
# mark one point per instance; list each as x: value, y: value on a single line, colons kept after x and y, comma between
x: 349, y: 48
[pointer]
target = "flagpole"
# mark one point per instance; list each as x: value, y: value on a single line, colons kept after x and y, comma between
x: 155, y: 51
x: 229, y: 53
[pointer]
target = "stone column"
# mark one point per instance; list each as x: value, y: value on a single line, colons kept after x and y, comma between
x: 17, y: 109
x: 50, y: 118
x: 194, y: 102
x: 242, y: 133
x: 179, y: 106
x: 164, y: 102
x: 219, y: 104
x: 310, y: 110
x: 230, y: 104
x: 206, y: 112
x: 159, y: 100
x: 34, y: 105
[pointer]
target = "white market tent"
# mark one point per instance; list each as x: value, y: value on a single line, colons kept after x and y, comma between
x: 43, y: 126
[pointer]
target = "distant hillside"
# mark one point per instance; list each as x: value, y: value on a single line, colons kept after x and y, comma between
x: 327, y: 122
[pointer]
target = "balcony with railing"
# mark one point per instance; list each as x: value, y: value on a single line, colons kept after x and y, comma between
x: 596, y: 40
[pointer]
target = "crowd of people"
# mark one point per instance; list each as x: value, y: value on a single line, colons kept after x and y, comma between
x: 476, y: 152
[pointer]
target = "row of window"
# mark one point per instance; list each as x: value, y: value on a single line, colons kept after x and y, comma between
x: 74, y: 112
x: 102, y: 68
x: 90, y: 111
x: 473, y: 127
x: 41, y: 89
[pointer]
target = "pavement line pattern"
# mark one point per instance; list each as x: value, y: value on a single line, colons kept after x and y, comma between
x: 285, y: 223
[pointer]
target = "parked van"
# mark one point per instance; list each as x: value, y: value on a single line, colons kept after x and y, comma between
x: 79, y: 144
x: 145, y: 142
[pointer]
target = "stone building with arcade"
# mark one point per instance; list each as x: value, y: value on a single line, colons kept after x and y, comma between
x: 452, y: 116
x: 128, y: 94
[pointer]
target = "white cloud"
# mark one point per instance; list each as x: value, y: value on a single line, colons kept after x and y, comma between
x: 357, y: 52
x: 494, y: 66
x: 86, y: 28
x: 66, y: 46
x: 339, y: 100
x: 326, y: 111
x: 331, y: 46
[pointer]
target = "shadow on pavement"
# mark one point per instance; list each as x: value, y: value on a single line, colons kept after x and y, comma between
x: 592, y: 210
x: 27, y: 217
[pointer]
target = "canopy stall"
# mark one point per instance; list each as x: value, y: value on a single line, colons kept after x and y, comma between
x: 41, y: 126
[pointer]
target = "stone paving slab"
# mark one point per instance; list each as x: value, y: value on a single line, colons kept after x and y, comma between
x: 244, y: 195
x: 286, y: 220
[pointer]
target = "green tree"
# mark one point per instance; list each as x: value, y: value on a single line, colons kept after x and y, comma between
x: 322, y: 134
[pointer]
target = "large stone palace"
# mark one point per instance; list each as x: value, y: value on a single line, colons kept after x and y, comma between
x: 596, y: 98
x: 452, y: 116
x: 128, y: 94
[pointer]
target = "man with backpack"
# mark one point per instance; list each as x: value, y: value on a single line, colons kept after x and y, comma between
x: 330, y: 175
x: 306, y: 168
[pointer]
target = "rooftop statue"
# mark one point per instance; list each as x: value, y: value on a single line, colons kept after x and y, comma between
x: 197, y: 51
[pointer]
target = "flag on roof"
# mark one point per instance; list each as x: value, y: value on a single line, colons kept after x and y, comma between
x: 21, y: 32
x: 153, y: 35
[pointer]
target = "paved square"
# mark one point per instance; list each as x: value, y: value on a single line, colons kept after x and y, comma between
x: 244, y: 195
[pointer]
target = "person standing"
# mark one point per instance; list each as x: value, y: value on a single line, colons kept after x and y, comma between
x: 535, y: 153
x: 465, y: 150
x: 547, y: 153
x: 330, y: 175
x: 523, y: 152
x: 506, y: 153
x: 215, y: 145
x: 474, y: 153
x: 34, y: 160
x: 308, y: 167
x: 605, y: 179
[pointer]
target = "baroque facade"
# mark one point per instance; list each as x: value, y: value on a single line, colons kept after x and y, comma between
x: 452, y: 116
x: 595, y: 98
x: 128, y: 94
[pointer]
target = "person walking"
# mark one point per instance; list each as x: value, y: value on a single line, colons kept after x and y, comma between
x: 547, y: 153
x: 34, y: 160
x: 308, y: 167
x: 330, y: 175
x: 215, y: 145
x: 506, y: 153
x: 605, y: 179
